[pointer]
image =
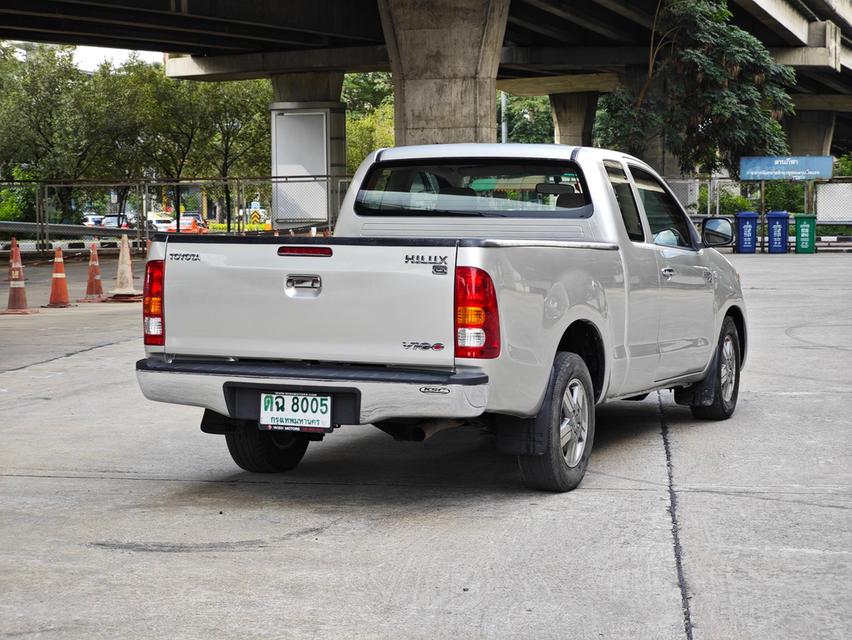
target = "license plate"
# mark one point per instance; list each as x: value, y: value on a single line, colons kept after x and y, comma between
x: 295, y: 412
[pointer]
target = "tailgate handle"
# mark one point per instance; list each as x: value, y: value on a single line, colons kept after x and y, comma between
x: 295, y: 281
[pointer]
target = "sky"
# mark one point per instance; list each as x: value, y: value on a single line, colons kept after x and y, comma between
x: 88, y: 58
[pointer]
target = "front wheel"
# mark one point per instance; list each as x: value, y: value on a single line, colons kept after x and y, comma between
x: 265, y: 451
x: 568, y: 415
x: 726, y: 377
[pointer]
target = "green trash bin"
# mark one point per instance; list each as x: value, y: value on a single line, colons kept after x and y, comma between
x: 805, y: 233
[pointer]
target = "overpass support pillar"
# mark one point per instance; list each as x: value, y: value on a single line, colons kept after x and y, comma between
x: 573, y: 117
x: 810, y: 133
x: 308, y: 139
x: 444, y: 56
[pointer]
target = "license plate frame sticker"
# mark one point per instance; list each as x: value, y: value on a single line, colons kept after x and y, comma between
x: 287, y: 411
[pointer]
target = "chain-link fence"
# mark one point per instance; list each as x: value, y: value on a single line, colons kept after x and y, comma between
x: 723, y: 196
x: 833, y: 201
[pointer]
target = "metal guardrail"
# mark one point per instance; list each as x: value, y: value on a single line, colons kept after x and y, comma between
x: 76, y: 230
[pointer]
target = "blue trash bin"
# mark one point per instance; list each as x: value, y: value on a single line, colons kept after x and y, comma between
x: 778, y: 223
x: 747, y: 231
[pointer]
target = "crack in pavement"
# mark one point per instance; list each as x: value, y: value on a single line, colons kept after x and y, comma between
x: 68, y: 355
x: 678, y: 549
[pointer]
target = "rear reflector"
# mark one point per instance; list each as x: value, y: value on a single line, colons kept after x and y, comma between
x: 153, y: 323
x: 305, y: 251
x: 477, y: 320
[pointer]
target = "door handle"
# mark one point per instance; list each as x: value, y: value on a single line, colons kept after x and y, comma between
x: 303, y: 282
x: 667, y: 272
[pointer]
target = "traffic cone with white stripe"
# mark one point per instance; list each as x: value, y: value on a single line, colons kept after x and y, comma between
x: 124, y: 290
x: 58, y: 283
x: 17, y: 290
x: 94, y: 287
x: 14, y: 258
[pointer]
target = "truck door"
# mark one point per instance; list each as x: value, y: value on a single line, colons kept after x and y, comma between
x: 687, y: 314
x: 642, y: 291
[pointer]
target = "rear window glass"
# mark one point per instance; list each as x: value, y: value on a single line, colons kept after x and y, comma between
x: 488, y: 188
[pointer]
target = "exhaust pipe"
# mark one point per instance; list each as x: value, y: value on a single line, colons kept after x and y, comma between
x: 417, y: 432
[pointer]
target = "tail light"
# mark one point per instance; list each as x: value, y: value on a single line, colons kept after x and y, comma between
x: 152, y: 304
x: 477, y: 321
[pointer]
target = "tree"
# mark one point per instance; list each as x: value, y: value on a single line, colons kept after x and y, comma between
x: 176, y: 127
x: 238, y: 118
x: 365, y: 92
x: 366, y: 133
x: 711, y: 89
x: 369, y: 115
x: 56, y: 124
x: 529, y: 119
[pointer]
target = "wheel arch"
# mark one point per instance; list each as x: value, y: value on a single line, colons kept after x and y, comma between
x: 584, y: 338
x: 736, y: 314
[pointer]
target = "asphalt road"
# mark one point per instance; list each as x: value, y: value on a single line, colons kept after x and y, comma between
x: 119, y: 518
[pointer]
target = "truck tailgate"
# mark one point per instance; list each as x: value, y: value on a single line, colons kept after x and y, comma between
x: 388, y: 303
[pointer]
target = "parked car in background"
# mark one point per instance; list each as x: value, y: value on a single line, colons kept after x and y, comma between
x: 159, y: 222
x: 92, y: 219
x: 190, y: 222
x: 116, y: 221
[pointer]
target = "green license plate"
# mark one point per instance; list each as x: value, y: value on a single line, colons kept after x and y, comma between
x: 295, y: 412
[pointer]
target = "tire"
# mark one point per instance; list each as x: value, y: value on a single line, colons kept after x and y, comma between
x: 265, y: 451
x: 725, y: 390
x: 563, y: 464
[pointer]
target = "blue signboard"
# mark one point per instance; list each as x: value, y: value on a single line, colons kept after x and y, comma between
x: 786, y: 168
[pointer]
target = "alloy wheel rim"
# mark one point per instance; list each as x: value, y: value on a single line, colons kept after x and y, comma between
x: 728, y: 369
x: 574, y: 422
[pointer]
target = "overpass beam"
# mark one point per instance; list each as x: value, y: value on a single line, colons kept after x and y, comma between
x: 810, y: 133
x: 573, y: 117
x: 444, y: 56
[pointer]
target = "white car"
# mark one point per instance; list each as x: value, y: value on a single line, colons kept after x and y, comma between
x: 158, y: 222
x: 506, y: 286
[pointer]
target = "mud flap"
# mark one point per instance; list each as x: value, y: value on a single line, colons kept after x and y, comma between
x: 526, y: 436
x: 701, y: 393
x: 218, y: 424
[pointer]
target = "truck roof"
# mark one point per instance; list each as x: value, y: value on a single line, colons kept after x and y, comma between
x: 492, y: 150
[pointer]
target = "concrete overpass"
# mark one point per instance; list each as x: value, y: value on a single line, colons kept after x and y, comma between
x: 449, y: 56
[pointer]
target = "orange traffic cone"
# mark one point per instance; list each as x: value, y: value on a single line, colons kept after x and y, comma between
x: 17, y: 291
x: 94, y: 288
x: 58, y: 283
x: 124, y: 290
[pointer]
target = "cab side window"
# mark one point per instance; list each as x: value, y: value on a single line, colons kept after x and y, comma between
x: 626, y: 202
x: 669, y: 225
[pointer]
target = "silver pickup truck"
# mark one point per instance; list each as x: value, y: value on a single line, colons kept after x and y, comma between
x: 510, y: 287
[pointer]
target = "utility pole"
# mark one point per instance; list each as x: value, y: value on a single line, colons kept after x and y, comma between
x: 504, y: 124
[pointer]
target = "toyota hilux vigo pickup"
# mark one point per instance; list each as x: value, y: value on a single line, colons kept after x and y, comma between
x: 510, y: 287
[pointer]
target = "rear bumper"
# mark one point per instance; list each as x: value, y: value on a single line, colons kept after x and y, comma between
x: 372, y: 394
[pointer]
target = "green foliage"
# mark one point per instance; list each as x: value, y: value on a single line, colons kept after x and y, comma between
x: 366, y: 133
x: 785, y: 196
x: 366, y: 92
x: 529, y: 119
x: 729, y: 203
x: 713, y: 91
x: 238, y: 116
x: 843, y: 166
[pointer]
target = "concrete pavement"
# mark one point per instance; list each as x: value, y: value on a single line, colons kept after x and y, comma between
x: 119, y: 517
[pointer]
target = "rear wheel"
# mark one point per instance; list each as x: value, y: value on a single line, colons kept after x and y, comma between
x: 726, y: 376
x: 265, y: 451
x: 568, y: 415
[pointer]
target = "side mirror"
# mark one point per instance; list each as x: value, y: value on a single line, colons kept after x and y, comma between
x: 716, y: 232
